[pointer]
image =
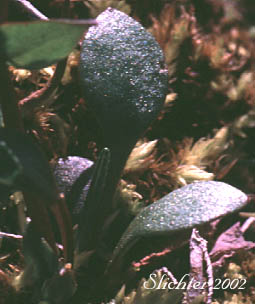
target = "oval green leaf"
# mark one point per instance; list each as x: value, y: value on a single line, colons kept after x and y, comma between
x: 34, y: 45
x: 182, y: 209
x: 123, y: 75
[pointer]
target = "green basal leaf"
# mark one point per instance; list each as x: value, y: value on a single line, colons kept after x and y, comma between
x: 123, y: 76
x: 88, y: 220
x: 182, y: 209
x: 34, y: 45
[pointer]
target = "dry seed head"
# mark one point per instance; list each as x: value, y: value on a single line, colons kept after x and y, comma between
x: 205, y: 151
x: 187, y: 174
x: 140, y: 157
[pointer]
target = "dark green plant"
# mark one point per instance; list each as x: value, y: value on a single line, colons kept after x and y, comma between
x: 181, y: 210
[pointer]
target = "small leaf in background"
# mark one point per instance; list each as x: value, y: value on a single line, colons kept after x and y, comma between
x: 35, y: 45
x: 182, y: 209
x: 72, y: 175
x: 122, y: 70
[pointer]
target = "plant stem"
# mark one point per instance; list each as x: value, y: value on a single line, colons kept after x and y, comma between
x: 28, y: 8
x: 10, y: 235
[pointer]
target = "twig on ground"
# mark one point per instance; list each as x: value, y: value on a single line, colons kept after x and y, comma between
x: 37, y: 98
